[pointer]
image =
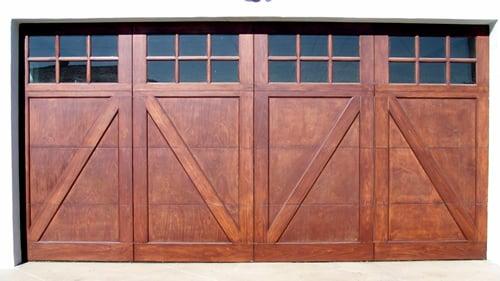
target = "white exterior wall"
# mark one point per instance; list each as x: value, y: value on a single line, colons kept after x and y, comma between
x: 422, y: 11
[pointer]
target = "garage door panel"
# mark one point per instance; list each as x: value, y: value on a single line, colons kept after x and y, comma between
x: 286, y: 165
x: 196, y: 187
x: 183, y: 223
x: 85, y: 196
x: 320, y: 223
x: 420, y: 139
x: 422, y: 222
x: 43, y: 178
x: 93, y: 195
x: 442, y: 122
x: 217, y: 163
x: 84, y: 223
x: 327, y: 210
x: 62, y: 122
x: 204, y: 123
x: 338, y: 186
x: 333, y: 185
x: 406, y: 174
x: 459, y: 166
x: 431, y: 174
x: 302, y: 122
x: 168, y: 182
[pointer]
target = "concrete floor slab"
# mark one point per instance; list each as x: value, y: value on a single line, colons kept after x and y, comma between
x: 358, y: 271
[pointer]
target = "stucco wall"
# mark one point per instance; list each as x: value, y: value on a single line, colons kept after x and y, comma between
x: 423, y: 11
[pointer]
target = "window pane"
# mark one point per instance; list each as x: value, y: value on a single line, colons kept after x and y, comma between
x: 463, y: 73
x: 104, y: 71
x: 313, y: 71
x: 432, y: 47
x: 193, y: 71
x: 314, y: 45
x: 345, y: 46
x: 161, y: 71
x: 402, y: 46
x: 104, y: 45
x: 224, y: 45
x: 463, y: 47
x: 346, y: 71
x: 193, y: 45
x: 282, y: 45
x: 73, y: 71
x: 73, y: 46
x: 161, y: 45
x: 402, y: 72
x: 224, y: 71
x: 282, y: 71
x: 42, y: 46
x: 432, y: 72
x: 42, y: 72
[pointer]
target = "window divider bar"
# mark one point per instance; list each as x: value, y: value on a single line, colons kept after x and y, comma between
x: 330, y: 55
x: 58, y: 69
x: 176, y: 66
x: 447, y: 68
x: 209, y: 54
x: 87, y: 39
x: 297, y: 53
x: 417, y: 58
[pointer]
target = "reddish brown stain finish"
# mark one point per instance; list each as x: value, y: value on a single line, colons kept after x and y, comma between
x: 138, y: 171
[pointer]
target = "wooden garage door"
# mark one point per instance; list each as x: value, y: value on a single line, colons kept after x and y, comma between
x: 78, y: 145
x: 193, y: 157
x: 431, y: 140
x: 282, y: 142
x: 313, y: 147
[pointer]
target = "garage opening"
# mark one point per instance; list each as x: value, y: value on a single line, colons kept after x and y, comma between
x: 255, y: 141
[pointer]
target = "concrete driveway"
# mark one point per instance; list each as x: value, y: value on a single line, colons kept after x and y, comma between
x: 358, y: 271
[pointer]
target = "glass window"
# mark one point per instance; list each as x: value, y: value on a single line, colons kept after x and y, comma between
x: 432, y: 47
x: 73, y: 71
x: 224, y: 71
x: 432, y: 72
x: 73, y: 46
x: 193, y: 71
x: 42, y: 72
x: 402, y: 46
x: 314, y: 71
x: 104, y: 45
x: 345, y: 46
x: 161, y: 45
x: 282, y: 45
x: 161, y: 71
x: 402, y: 72
x: 463, y: 47
x: 224, y: 45
x: 282, y: 71
x: 463, y: 73
x: 314, y: 45
x: 41, y: 46
x: 346, y: 71
x: 104, y: 71
x: 192, y: 45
